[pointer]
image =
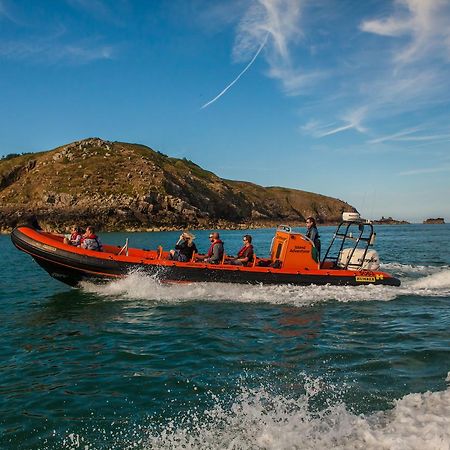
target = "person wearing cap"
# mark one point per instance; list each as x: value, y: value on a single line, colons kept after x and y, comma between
x: 184, y: 248
x: 215, y: 251
x: 245, y: 254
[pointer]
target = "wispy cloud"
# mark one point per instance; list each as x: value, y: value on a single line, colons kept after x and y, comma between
x: 425, y: 22
x: 239, y: 76
x: 412, y: 78
x: 423, y: 171
x: 274, y: 26
x: 278, y: 18
x: 51, y: 41
x: 351, y: 120
x: 393, y: 137
x: 294, y: 81
x: 432, y: 137
x: 5, y: 12
x: 281, y: 20
x: 407, y: 72
x: 51, y: 49
x: 411, y: 136
x: 115, y: 13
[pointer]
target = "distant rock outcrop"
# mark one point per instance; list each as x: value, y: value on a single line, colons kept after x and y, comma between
x: 389, y: 221
x: 434, y: 221
x: 118, y: 186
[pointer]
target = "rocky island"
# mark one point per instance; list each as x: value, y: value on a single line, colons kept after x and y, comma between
x: 389, y: 221
x: 121, y: 186
x: 438, y: 220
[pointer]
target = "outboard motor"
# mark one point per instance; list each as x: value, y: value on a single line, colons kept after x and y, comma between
x: 355, y: 261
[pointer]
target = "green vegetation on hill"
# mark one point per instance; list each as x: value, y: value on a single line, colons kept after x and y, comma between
x: 116, y: 185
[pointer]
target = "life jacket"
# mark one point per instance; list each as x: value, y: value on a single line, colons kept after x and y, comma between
x: 91, y: 236
x: 210, y: 250
x: 74, y: 235
x: 246, y: 252
x: 89, y: 240
x: 75, y: 238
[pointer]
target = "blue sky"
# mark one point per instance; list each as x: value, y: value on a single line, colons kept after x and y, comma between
x: 345, y: 98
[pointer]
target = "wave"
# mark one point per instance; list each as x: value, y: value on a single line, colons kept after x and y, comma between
x: 138, y: 286
x: 410, y: 269
x: 436, y: 281
x: 262, y: 421
x: 259, y: 419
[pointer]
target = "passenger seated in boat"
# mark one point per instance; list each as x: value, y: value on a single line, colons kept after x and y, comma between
x: 184, y: 248
x: 245, y: 254
x: 215, y: 252
x: 74, y: 238
x: 90, y: 240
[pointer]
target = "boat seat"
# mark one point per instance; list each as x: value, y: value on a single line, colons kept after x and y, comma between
x: 263, y: 262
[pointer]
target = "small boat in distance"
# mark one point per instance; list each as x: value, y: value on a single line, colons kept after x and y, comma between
x: 349, y: 260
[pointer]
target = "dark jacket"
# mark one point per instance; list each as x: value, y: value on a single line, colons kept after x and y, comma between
x: 313, y: 234
x: 184, y: 251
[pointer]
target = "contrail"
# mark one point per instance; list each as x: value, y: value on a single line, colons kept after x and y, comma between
x: 239, y: 76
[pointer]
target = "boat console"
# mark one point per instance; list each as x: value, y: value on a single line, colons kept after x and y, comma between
x: 293, y: 250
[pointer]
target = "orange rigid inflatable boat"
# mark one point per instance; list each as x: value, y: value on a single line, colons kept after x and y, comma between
x: 293, y: 260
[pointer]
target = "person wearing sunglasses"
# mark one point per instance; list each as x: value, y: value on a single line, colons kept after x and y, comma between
x: 184, y: 248
x: 245, y: 254
x: 215, y: 251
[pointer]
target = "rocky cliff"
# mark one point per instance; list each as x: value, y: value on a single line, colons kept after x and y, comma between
x: 118, y: 186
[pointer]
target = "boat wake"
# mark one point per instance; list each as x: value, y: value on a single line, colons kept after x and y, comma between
x: 260, y: 419
x: 410, y: 270
x: 435, y: 281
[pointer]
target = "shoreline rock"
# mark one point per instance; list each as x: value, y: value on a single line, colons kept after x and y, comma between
x: 437, y: 220
x: 119, y: 186
x: 389, y: 221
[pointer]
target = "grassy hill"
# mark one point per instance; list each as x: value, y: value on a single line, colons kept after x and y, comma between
x: 118, y: 186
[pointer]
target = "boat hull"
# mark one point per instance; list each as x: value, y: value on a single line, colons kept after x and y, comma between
x: 72, y: 265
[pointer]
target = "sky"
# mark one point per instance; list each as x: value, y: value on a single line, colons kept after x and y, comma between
x: 345, y: 98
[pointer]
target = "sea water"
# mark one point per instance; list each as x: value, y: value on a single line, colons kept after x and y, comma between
x: 136, y: 364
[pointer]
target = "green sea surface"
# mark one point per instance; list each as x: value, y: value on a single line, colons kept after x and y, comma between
x: 136, y: 364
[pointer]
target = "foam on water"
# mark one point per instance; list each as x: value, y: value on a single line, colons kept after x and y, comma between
x: 440, y: 280
x: 410, y: 269
x: 436, y: 282
x: 138, y: 286
x: 261, y: 420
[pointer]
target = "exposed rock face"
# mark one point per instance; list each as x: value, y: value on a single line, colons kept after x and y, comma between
x: 117, y: 186
x: 435, y: 221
